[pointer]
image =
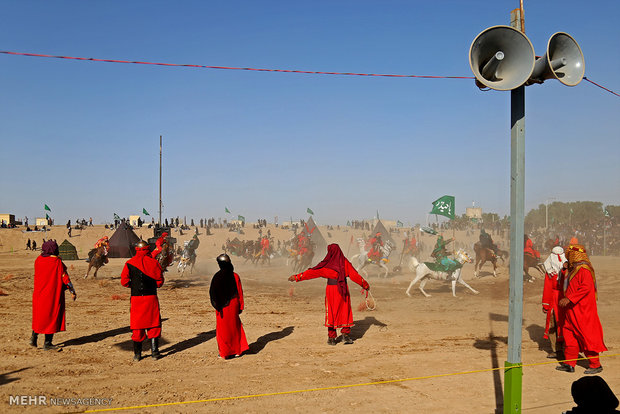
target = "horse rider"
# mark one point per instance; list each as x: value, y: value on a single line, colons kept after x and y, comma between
x: 486, y: 241
x: 528, y: 247
x: 159, y: 244
x: 102, y: 242
x: 440, y: 254
x: 264, y: 244
x: 375, y: 244
x: 192, y: 246
x: 410, y: 245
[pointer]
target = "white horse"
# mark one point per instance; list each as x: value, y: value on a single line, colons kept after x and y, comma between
x: 361, y: 260
x: 424, y: 274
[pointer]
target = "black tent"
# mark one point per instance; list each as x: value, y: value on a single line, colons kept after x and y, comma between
x: 122, y: 242
x: 385, y: 235
x: 67, y: 251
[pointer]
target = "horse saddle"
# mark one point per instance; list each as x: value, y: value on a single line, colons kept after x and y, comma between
x: 440, y: 267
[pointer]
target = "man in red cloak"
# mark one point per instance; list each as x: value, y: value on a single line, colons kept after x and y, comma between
x: 550, y: 297
x: 338, y: 314
x: 375, y: 244
x: 143, y: 275
x: 582, y: 328
x: 48, y: 298
x: 158, y: 244
x: 529, y: 248
x: 226, y: 296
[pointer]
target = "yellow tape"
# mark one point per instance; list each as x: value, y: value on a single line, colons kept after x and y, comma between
x: 269, y: 394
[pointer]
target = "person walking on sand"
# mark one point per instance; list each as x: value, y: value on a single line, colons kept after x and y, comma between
x: 581, y: 327
x: 143, y: 275
x: 338, y: 313
x: 48, y: 297
x: 226, y: 294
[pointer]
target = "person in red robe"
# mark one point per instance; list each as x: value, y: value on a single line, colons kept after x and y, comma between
x: 48, y: 297
x: 226, y: 296
x: 143, y: 275
x: 550, y: 298
x: 375, y: 244
x: 338, y: 314
x: 582, y: 328
x: 529, y: 248
x: 158, y: 244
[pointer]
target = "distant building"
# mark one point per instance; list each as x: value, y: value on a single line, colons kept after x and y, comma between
x: 474, y: 212
x: 8, y: 219
x: 42, y: 221
x: 133, y: 221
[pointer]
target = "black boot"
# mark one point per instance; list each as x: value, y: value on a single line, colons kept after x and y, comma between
x: 137, y: 351
x: 155, y: 348
x: 33, y: 339
x: 47, y: 345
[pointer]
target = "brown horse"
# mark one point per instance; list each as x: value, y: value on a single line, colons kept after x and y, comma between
x: 484, y: 254
x: 97, y: 257
x: 166, y: 256
x: 531, y: 261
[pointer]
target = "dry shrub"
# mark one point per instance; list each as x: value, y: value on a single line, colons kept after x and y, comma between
x: 8, y: 277
x: 72, y: 267
x: 118, y: 297
x: 3, y: 293
x: 362, y: 306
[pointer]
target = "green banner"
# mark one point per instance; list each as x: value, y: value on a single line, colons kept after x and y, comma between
x: 309, y: 211
x: 444, y: 206
x: 146, y: 213
x: 241, y: 218
x: 47, y: 208
x: 226, y: 209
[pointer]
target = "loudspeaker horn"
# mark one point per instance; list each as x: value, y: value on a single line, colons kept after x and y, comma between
x: 562, y: 61
x: 501, y: 58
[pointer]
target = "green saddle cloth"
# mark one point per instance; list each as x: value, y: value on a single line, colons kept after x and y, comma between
x: 439, y: 267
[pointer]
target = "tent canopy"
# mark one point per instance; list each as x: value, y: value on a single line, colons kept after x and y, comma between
x: 385, y: 235
x: 123, y: 241
x: 67, y: 251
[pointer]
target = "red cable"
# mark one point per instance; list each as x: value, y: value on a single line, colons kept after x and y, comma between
x: 602, y: 87
x: 263, y: 70
x: 235, y: 68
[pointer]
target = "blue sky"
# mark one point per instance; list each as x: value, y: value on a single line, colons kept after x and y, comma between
x: 83, y: 137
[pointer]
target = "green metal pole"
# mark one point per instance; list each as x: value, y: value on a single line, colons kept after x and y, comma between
x: 513, y: 371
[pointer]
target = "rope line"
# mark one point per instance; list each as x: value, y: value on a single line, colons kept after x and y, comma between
x: 234, y: 68
x: 269, y: 394
x: 600, y: 86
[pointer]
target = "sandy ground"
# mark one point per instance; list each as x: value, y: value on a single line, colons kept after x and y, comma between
x: 404, y: 338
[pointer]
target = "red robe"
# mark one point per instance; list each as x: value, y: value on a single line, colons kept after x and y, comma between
x: 529, y: 249
x: 48, y: 297
x: 581, y: 315
x: 144, y: 307
x: 229, y: 331
x: 338, y: 313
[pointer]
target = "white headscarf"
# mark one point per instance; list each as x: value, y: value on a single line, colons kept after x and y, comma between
x: 554, y: 262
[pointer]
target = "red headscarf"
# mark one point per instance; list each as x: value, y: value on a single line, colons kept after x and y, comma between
x: 335, y: 260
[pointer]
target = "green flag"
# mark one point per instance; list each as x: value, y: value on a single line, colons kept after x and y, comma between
x: 146, y: 213
x: 47, y: 208
x: 377, y: 214
x: 309, y: 211
x: 444, y: 206
x: 226, y: 209
x: 399, y: 223
x: 241, y: 218
x: 46, y: 216
x: 606, y: 213
x: 116, y: 217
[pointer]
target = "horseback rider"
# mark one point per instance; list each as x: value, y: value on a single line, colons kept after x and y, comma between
x: 375, y: 244
x: 410, y: 245
x: 528, y: 247
x: 159, y: 244
x: 440, y: 254
x: 487, y: 242
x: 102, y: 242
x: 192, y: 246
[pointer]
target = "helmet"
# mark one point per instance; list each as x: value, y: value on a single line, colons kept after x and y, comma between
x: 142, y: 245
x: 223, y: 258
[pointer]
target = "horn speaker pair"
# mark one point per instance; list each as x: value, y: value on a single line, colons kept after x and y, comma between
x: 502, y: 58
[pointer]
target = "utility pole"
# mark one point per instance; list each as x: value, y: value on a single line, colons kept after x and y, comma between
x: 159, y: 223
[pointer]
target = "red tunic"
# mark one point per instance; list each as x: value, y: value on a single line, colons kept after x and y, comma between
x: 529, y: 249
x: 48, y: 297
x: 338, y: 313
x: 581, y: 316
x: 144, y: 308
x: 550, y: 298
x: 228, y: 328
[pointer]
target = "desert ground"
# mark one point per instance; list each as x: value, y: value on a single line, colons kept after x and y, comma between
x: 414, y: 339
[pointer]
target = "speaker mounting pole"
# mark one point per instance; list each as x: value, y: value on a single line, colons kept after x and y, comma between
x: 513, y: 370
